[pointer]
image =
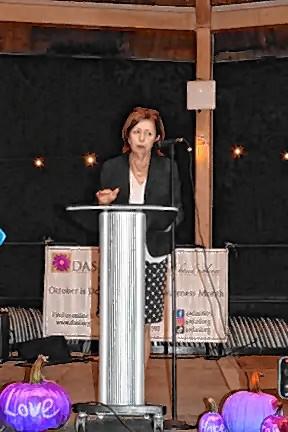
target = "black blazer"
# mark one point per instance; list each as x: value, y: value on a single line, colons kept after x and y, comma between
x: 115, y: 173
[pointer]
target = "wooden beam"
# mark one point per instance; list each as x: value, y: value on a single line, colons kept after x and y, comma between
x: 252, y: 54
x: 256, y: 14
x: 203, y: 13
x: 203, y: 136
x: 97, y: 15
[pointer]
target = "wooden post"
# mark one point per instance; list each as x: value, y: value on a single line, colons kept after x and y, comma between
x: 203, y: 138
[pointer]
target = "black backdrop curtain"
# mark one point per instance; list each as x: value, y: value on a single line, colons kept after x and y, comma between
x: 62, y: 108
x: 250, y: 194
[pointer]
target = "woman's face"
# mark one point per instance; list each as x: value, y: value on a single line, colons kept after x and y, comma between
x: 142, y: 137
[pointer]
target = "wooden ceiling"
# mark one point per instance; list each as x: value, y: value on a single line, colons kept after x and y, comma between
x: 242, y: 29
x: 176, y: 15
x: 190, y: 3
x: 225, y: 2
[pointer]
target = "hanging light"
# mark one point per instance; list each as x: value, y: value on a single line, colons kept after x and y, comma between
x: 89, y: 159
x: 284, y: 155
x: 237, y: 151
x: 39, y: 162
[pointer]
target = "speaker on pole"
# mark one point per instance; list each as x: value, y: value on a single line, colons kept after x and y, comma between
x: 201, y: 95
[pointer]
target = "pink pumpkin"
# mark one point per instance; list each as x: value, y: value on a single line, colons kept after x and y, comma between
x: 211, y: 421
x: 244, y: 411
x: 275, y: 423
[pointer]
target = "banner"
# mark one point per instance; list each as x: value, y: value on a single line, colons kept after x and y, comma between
x: 71, y: 292
x: 201, y: 280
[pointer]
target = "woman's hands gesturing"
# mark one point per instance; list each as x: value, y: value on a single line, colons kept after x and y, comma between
x: 107, y: 196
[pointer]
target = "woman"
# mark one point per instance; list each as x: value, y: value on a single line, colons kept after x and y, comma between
x: 141, y: 175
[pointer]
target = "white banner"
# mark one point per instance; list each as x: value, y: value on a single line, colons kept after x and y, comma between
x: 71, y: 292
x: 201, y: 280
x: 71, y: 295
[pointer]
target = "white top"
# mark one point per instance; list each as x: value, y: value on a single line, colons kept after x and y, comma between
x: 137, y: 192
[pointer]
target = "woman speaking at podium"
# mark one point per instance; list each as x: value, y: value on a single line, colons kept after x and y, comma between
x: 141, y: 175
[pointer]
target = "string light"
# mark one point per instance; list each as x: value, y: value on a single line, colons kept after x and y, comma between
x: 238, y: 151
x: 39, y: 162
x: 89, y: 159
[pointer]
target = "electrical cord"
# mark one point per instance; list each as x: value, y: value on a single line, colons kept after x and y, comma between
x: 119, y: 418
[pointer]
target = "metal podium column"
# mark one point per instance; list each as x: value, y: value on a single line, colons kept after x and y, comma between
x: 122, y: 283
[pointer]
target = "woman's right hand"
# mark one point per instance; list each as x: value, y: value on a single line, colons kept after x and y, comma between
x: 107, y: 196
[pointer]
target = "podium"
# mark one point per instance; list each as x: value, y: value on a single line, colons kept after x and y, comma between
x: 122, y: 304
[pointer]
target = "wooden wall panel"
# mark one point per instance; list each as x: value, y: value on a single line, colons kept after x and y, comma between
x: 15, y: 37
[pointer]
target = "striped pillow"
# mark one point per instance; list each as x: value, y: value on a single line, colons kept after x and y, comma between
x: 25, y: 324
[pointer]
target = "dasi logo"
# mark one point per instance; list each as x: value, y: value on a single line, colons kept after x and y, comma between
x: 61, y: 262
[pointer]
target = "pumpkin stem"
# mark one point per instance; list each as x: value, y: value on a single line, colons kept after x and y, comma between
x: 254, y: 382
x: 36, y: 376
x: 278, y: 406
x: 211, y: 405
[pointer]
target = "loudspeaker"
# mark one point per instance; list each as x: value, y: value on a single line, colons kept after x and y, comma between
x: 201, y: 95
x: 54, y: 347
x: 114, y: 425
x: 96, y: 416
x: 4, y: 336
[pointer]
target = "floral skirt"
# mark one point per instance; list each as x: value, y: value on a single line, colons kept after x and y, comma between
x: 155, y: 283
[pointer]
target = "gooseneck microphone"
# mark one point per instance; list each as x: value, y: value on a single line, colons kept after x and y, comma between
x: 169, y: 142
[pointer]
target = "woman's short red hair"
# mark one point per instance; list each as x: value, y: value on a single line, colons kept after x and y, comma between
x: 138, y: 114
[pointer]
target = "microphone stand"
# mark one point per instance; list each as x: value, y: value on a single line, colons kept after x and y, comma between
x: 174, y: 423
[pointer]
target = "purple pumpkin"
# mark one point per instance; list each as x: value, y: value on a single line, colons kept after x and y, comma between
x: 244, y: 411
x: 275, y: 423
x: 35, y: 406
x: 211, y: 421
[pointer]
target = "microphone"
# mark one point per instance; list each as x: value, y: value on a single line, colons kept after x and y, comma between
x: 168, y: 142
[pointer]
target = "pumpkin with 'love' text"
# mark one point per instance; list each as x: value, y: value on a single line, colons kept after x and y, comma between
x: 35, y: 406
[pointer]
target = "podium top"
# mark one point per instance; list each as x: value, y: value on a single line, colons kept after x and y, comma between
x: 118, y: 207
x: 158, y: 218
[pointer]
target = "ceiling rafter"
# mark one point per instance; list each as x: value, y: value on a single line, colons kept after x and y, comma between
x: 132, y: 16
x: 97, y: 15
x: 254, y: 14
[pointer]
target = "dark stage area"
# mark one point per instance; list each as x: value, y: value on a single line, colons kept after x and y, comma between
x: 61, y: 108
